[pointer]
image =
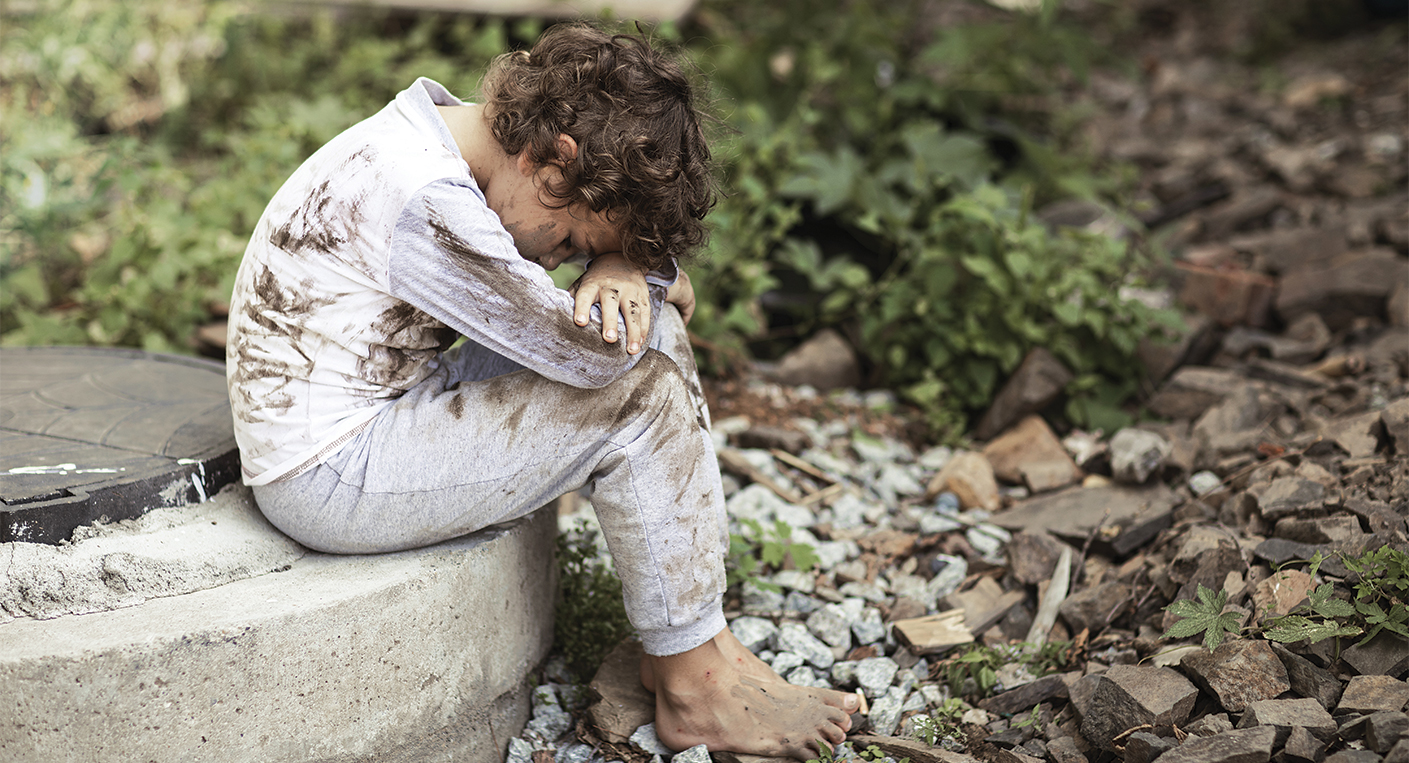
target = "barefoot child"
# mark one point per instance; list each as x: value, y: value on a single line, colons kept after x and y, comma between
x: 362, y: 432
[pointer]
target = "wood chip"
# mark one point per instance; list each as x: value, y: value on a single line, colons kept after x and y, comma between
x: 934, y: 633
x: 1052, y: 600
x: 825, y: 494
x: 917, y: 752
x: 735, y: 462
x: 801, y: 465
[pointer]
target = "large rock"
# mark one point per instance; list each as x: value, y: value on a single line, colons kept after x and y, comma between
x: 1307, y: 679
x: 1252, y: 745
x: 1287, y: 714
x: 1031, y: 454
x: 1384, y: 729
x: 1032, y: 556
x: 1395, y: 418
x: 1358, y: 435
x: 1127, y: 696
x: 1354, y: 285
x: 1231, y: 297
x: 1137, y: 454
x: 621, y: 704
x: 1279, y: 251
x: 1291, y: 495
x: 1387, y: 654
x: 1161, y: 357
x: 1373, y: 694
x: 1092, y: 607
x: 1233, y: 425
x: 826, y: 361
x: 1028, y: 695
x: 1128, y: 517
x: 969, y: 476
x: 1303, y: 747
x: 1193, y: 390
x: 1039, y: 379
x: 1238, y: 673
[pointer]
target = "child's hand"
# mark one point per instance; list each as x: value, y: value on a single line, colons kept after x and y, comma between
x: 619, y: 287
x: 682, y: 295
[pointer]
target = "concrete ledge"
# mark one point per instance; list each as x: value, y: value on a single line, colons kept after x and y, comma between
x: 416, y: 656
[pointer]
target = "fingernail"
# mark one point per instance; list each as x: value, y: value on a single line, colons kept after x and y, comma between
x: 611, y: 336
x: 634, y: 347
x: 581, y: 320
x: 851, y: 702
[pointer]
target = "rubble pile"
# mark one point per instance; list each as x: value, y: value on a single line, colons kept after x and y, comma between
x: 1274, y: 455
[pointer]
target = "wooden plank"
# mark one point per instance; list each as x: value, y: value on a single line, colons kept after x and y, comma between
x: 934, y: 633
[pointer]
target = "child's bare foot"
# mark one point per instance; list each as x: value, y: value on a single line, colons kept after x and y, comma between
x: 733, y: 650
x: 726, y: 702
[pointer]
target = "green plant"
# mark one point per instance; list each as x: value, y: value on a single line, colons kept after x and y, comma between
x: 1378, y: 601
x: 1380, y: 591
x: 941, y: 724
x: 591, y: 618
x: 1032, y: 719
x: 1378, y: 604
x: 981, y: 663
x: 143, y: 140
x: 873, y: 189
x: 757, y: 550
x: 881, y: 180
x: 1204, y: 616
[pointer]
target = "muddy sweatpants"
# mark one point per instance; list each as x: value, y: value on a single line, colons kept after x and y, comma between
x: 479, y: 443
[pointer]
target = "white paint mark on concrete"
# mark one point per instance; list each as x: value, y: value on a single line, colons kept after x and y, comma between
x: 61, y: 469
x: 200, y: 486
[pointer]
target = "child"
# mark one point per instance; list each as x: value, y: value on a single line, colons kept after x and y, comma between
x: 361, y: 432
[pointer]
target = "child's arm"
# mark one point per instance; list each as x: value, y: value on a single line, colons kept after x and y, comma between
x: 682, y: 295
x: 619, y: 287
x: 455, y: 261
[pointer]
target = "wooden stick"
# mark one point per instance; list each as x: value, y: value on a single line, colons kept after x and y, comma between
x: 735, y: 462
x: 1056, y: 594
x: 797, y: 463
x: 823, y: 494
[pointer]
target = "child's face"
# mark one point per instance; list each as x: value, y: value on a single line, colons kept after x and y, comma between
x: 545, y: 235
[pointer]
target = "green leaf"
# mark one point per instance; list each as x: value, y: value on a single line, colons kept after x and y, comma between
x: 1203, y: 616
x: 1293, y: 628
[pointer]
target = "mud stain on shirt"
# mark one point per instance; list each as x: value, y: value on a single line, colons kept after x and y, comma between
x: 401, y: 341
x: 277, y: 315
x: 330, y: 221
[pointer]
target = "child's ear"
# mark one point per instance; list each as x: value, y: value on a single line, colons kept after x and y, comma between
x: 567, y: 149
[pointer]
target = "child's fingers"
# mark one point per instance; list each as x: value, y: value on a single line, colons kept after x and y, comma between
x: 584, y: 296
x: 638, y: 322
x: 611, y: 307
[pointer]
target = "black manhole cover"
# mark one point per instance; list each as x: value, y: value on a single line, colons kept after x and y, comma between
x: 92, y: 434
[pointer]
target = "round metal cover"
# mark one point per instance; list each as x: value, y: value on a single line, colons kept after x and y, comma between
x: 91, y: 434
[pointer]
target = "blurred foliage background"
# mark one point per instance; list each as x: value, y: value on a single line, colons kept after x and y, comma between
x: 882, y: 167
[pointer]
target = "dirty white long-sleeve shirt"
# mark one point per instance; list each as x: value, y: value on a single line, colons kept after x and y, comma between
x: 368, y: 263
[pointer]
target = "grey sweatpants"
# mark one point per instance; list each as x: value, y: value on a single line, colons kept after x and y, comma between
x: 479, y: 442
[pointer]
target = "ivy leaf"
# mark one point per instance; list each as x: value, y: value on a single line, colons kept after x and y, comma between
x: 1204, y: 616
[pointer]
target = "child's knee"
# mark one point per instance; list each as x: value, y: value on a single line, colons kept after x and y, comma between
x: 656, y: 384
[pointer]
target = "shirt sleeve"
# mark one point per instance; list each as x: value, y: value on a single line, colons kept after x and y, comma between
x: 451, y: 258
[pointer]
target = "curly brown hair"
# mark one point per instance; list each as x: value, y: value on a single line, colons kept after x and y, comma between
x: 642, y: 156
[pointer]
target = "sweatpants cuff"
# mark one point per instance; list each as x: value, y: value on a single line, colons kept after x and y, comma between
x: 663, y: 642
